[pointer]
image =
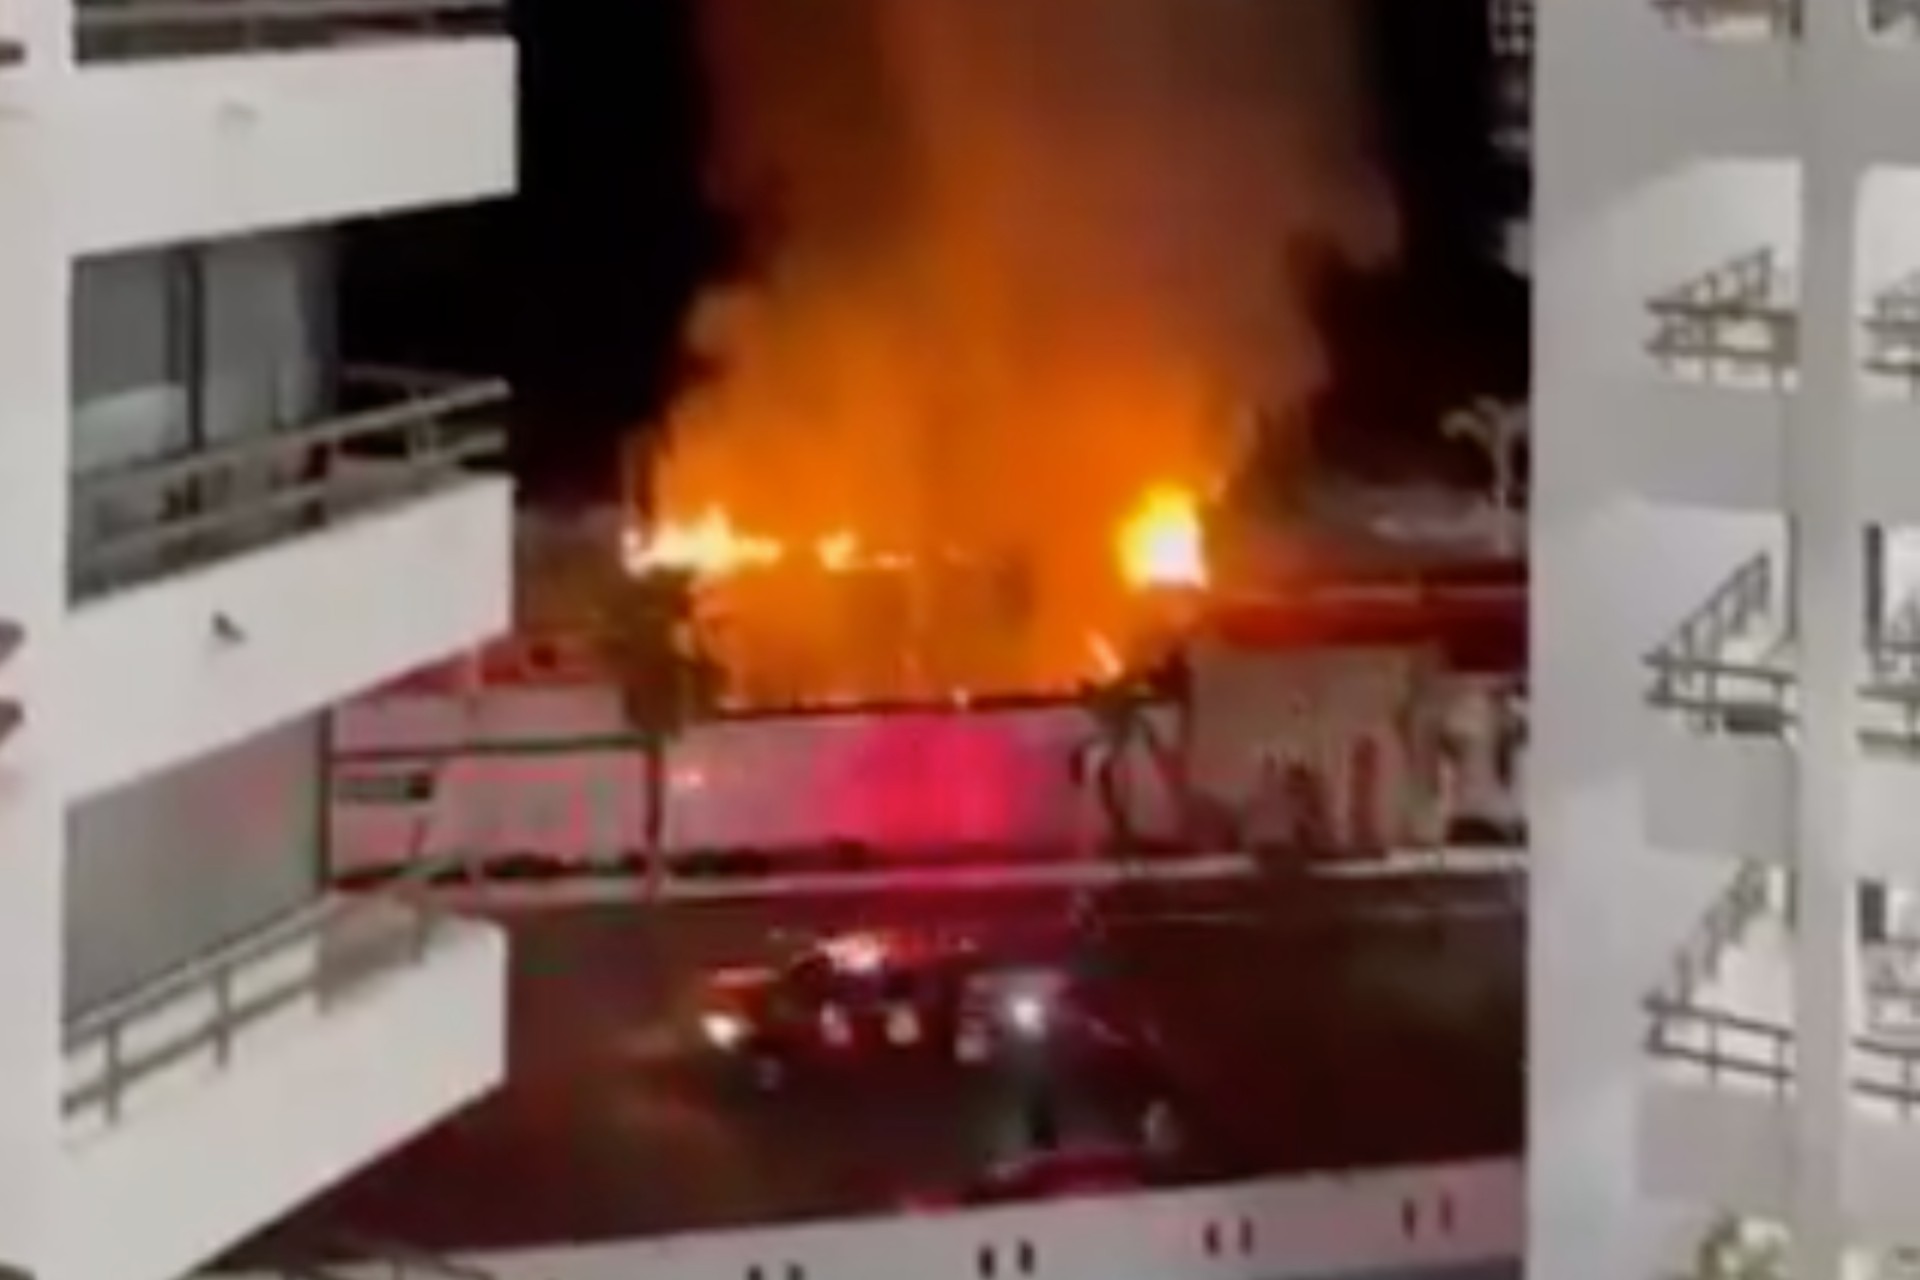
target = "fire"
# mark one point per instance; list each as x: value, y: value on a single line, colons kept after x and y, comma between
x: 708, y: 546
x: 712, y: 545
x: 1161, y: 543
x: 1106, y: 659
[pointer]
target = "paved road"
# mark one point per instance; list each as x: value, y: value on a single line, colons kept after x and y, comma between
x: 604, y: 1132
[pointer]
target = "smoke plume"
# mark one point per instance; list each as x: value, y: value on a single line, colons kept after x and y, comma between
x: 1022, y: 259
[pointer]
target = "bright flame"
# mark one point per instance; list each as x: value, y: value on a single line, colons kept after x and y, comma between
x: 1160, y: 544
x: 709, y: 546
x: 1106, y: 658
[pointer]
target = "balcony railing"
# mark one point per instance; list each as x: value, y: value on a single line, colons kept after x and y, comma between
x: 1723, y: 1047
x: 1732, y: 19
x: 1892, y: 986
x: 202, y: 1015
x: 130, y: 29
x: 1727, y: 1049
x: 1511, y: 27
x: 1897, y: 18
x: 1893, y: 333
x: 145, y: 521
x: 1735, y: 323
x: 1693, y: 674
x: 1721, y: 930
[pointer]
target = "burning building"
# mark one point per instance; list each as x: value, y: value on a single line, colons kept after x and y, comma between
x: 1024, y: 270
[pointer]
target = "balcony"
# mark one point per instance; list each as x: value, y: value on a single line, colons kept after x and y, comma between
x: 115, y: 30
x: 197, y: 1071
x: 200, y: 119
x: 1715, y: 1127
x: 1717, y: 768
x: 1733, y: 325
x: 1510, y: 27
x: 208, y: 586
x: 1720, y: 1053
x: 152, y: 520
x: 1735, y: 328
x: 1732, y: 19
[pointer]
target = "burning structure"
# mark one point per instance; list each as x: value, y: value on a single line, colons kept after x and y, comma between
x: 1025, y: 271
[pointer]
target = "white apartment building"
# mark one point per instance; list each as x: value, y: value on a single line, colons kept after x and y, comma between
x: 1510, y: 37
x: 210, y: 531
x: 1723, y: 804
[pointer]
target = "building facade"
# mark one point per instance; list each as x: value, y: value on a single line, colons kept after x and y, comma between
x: 210, y: 531
x: 1722, y: 1068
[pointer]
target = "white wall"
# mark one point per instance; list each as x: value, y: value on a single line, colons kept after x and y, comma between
x: 33, y: 499
x: 1889, y: 245
x: 159, y: 1197
x: 174, y: 150
x: 1617, y: 219
x: 932, y: 780
x: 171, y: 867
x: 154, y: 682
x: 1441, y: 1222
x: 548, y: 781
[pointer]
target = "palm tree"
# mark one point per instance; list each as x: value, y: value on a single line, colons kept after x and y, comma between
x: 1499, y: 429
x: 666, y: 677
x: 1118, y: 708
x: 1735, y: 1249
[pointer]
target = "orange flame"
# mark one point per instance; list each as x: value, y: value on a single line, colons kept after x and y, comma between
x: 1160, y: 543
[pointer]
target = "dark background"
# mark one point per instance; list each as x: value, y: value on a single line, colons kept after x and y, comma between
x: 576, y: 288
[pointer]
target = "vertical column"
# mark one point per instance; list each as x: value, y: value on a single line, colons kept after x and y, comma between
x: 33, y: 497
x: 1829, y: 601
x: 44, y: 31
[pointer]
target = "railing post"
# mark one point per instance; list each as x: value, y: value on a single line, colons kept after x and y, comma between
x: 222, y: 1016
x: 110, y: 1073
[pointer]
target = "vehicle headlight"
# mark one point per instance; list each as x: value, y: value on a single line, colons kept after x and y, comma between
x: 1027, y: 1014
x: 723, y: 1030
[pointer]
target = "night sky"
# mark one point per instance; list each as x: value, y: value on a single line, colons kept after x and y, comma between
x: 577, y: 288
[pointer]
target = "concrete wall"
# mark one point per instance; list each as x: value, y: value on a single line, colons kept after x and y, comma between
x: 222, y: 1149
x: 165, y: 869
x: 172, y: 150
x: 1436, y: 1222
x: 543, y: 770
x: 1622, y: 211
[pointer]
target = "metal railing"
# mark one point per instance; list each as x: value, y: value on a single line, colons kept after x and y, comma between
x: 1892, y: 993
x: 202, y: 1010
x: 1726, y: 922
x: 1691, y: 675
x: 1726, y: 1047
x: 1771, y: 19
x: 1894, y: 17
x: 1889, y: 1074
x: 1511, y: 28
x: 1892, y: 326
x: 143, y: 521
x: 130, y: 29
x: 1734, y: 321
x: 352, y: 1256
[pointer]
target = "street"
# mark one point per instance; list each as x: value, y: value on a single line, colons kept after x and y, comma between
x: 1287, y: 1056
